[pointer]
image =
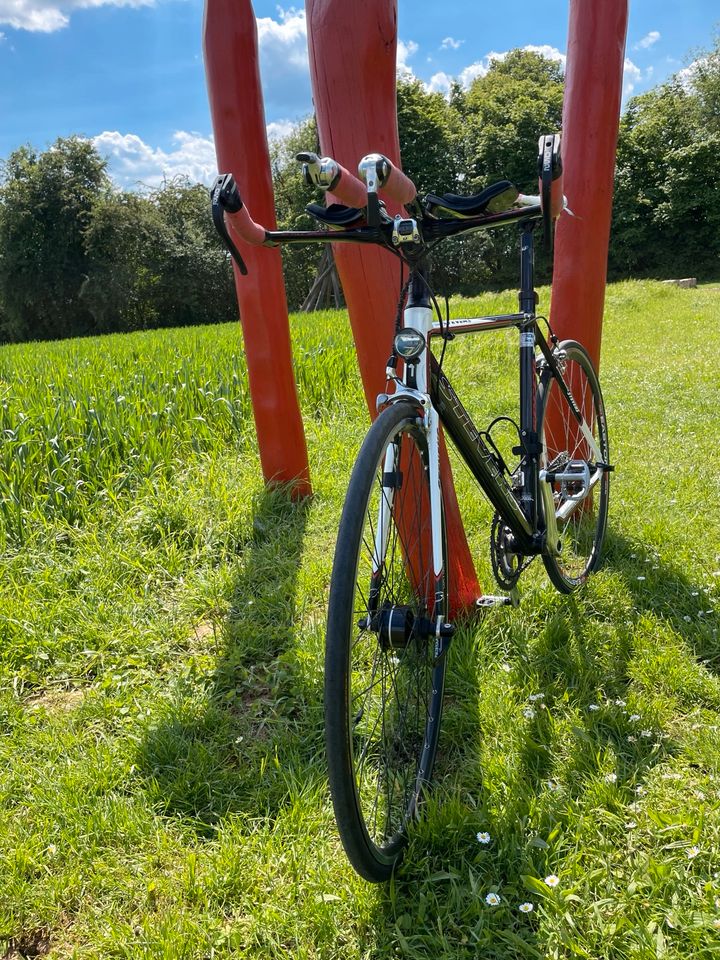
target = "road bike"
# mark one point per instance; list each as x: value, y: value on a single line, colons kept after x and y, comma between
x: 388, y: 624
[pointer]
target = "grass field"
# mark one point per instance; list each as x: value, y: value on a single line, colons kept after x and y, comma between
x: 163, y: 788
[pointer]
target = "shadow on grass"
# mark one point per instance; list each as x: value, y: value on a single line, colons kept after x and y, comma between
x: 580, y: 653
x: 235, y: 742
x: 668, y: 593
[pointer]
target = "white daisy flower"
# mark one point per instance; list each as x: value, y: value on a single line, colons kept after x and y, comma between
x: 593, y: 707
x: 641, y: 578
x: 529, y: 713
x: 687, y: 618
x: 492, y: 899
x: 482, y: 837
x: 631, y: 739
x: 610, y: 778
x: 506, y: 667
x: 536, y: 696
x: 620, y: 703
x: 646, y: 733
x: 552, y: 880
x: 717, y: 903
x: 639, y: 791
x: 716, y: 923
x: 553, y: 785
x: 630, y: 825
x: 692, y: 852
x: 526, y: 907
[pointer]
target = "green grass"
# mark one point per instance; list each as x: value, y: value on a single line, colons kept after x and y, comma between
x: 163, y: 788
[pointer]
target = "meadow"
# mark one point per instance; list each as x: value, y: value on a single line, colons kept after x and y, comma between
x: 163, y: 789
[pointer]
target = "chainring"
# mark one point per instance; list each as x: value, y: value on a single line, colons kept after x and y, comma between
x: 507, y: 565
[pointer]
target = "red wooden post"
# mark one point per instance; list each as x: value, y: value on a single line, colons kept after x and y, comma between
x: 593, y: 90
x: 238, y: 116
x: 352, y: 67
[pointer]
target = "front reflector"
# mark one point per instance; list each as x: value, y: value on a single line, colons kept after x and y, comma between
x: 409, y: 343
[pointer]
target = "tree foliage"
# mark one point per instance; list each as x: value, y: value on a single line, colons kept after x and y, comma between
x: 78, y: 256
x: 46, y: 206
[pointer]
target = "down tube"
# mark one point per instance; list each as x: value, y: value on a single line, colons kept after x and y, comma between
x: 457, y: 422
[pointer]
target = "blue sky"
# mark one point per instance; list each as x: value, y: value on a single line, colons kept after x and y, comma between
x: 129, y: 75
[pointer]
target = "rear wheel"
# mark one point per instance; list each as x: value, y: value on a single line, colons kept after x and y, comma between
x: 581, y: 515
x: 383, y: 684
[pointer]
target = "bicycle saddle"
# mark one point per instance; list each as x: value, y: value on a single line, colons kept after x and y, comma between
x: 493, y: 199
x: 336, y: 216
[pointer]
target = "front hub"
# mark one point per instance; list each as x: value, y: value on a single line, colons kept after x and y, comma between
x: 395, y: 626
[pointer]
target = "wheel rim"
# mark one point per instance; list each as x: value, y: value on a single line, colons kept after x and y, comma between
x: 393, y: 697
x: 581, y: 531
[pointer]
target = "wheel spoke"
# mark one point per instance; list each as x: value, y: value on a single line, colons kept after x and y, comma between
x: 394, y: 687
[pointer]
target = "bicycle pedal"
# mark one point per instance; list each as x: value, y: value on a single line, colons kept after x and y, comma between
x: 490, y: 600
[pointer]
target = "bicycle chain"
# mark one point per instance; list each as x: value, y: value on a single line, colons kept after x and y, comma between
x: 505, y: 575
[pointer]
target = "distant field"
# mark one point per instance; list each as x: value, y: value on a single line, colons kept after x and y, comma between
x: 163, y: 789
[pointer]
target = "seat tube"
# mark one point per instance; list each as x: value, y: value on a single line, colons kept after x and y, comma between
x: 528, y: 432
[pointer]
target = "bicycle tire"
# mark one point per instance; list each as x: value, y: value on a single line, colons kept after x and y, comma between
x: 381, y: 748
x: 583, y: 531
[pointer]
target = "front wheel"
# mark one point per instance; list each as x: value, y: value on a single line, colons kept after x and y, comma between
x: 383, y: 683
x: 581, y: 503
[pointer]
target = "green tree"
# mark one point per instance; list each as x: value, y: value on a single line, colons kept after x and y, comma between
x: 46, y: 203
x: 430, y: 132
x: 292, y: 195
x: 505, y: 112
x: 156, y: 261
x: 196, y: 281
x: 666, y: 210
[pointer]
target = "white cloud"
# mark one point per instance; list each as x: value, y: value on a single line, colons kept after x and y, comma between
x: 480, y: 67
x: 450, y: 44
x: 648, y: 40
x: 439, y: 83
x: 550, y: 53
x: 282, y: 46
x: 278, y: 129
x: 133, y: 163
x: 687, y: 75
x: 405, y: 50
x: 46, y: 16
x: 286, y: 37
x: 472, y: 72
x: 632, y: 75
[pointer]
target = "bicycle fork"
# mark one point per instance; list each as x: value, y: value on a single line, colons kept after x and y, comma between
x: 418, y: 318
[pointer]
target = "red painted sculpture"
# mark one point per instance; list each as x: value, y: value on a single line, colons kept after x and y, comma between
x: 236, y: 105
x: 593, y: 88
x: 352, y: 65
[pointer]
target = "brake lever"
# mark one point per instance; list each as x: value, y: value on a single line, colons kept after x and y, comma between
x: 224, y: 196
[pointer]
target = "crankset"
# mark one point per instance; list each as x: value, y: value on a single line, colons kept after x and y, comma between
x: 507, y: 564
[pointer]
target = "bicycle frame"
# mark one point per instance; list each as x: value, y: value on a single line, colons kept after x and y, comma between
x: 425, y: 383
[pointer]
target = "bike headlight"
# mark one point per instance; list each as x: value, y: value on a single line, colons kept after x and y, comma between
x: 409, y: 343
